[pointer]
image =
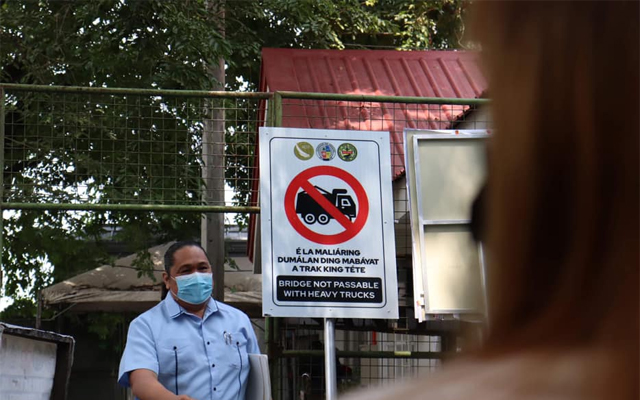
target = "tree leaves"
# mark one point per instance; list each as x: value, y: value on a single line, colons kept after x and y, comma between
x: 142, y: 149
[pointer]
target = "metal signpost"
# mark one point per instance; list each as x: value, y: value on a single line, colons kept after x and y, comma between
x: 328, y: 248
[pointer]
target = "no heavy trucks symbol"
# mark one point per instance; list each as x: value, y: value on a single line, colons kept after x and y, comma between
x: 316, y: 204
x: 311, y: 211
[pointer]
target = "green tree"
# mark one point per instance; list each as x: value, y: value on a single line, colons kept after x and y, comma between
x: 85, y: 154
x: 337, y: 24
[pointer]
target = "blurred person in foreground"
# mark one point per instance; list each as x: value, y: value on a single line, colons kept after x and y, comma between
x: 562, y: 207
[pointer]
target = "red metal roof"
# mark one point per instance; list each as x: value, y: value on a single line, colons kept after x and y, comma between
x: 443, y: 74
x: 453, y: 74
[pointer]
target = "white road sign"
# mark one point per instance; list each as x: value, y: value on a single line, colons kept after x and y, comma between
x: 326, y: 209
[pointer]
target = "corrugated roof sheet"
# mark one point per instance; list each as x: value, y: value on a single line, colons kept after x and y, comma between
x: 443, y: 74
x: 118, y: 288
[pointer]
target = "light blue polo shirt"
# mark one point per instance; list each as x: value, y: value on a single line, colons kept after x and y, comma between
x: 209, y: 354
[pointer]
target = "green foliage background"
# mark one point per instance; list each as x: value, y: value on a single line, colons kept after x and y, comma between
x: 152, y: 44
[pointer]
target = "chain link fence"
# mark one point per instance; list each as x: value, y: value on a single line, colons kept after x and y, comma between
x: 89, y: 146
x: 99, y: 150
x: 382, y: 113
x: 368, y: 354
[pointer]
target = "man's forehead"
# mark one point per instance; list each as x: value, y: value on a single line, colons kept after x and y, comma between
x: 189, y: 254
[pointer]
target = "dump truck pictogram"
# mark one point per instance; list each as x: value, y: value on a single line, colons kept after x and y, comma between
x: 311, y: 211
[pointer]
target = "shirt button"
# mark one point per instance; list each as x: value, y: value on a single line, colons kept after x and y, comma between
x: 207, y: 343
x: 213, y: 365
x: 214, y: 389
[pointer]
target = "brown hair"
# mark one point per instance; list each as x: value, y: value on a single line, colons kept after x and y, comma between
x: 563, y: 193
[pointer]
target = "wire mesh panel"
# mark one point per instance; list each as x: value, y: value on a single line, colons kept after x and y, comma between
x: 365, y: 358
x: 140, y: 150
x: 98, y: 173
x: 92, y: 147
x: 111, y: 146
x: 385, y: 371
x: 386, y: 114
x: 400, y: 349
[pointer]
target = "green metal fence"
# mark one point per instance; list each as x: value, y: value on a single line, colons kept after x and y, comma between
x: 82, y: 148
x: 122, y: 149
x: 106, y: 150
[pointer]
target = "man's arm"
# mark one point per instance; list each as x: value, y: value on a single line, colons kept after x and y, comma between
x: 139, y: 365
x: 145, y: 386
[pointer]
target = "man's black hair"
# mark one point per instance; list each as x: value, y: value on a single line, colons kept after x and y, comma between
x: 168, y: 255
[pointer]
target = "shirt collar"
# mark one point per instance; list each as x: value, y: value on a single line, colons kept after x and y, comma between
x: 174, y: 309
x: 212, y: 307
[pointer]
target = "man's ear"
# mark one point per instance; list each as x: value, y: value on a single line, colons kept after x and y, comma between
x: 165, y: 279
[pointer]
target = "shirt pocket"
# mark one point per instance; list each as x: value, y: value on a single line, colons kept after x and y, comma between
x: 176, y: 355
x: 237, y: 354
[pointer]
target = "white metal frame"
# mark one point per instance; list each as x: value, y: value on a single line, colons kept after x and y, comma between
x: 422, y: 306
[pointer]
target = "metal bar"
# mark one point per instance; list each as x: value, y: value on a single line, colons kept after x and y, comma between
x: 277, y: 109
x: 137, y: 92
x: 426, y: 355
x: 483, y: 280
x: 431, y: 222
x: 267, y: 337
x: 39, y: 309
x: 245, y: 95
x: 270, y: 350
x: 213, y: 171
x: 446, y: 134
x: 276, y: 341
x: 380, y: 99
x: 330, y: 373
x: 275, y: 114
x: 130, y: 207
x: 2, y: 208
x: 268, y: 114
x: 449, y: 343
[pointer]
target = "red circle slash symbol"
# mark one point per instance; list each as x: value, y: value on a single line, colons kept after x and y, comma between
x: 351, y: 228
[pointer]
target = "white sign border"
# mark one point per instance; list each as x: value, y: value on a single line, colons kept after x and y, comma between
x: 389, y: 309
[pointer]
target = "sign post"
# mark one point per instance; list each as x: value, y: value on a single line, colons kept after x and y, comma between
x: 328, y: 247
x: 330, y: 373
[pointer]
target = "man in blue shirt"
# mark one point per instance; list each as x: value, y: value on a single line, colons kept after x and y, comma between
x: 189, y: 346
